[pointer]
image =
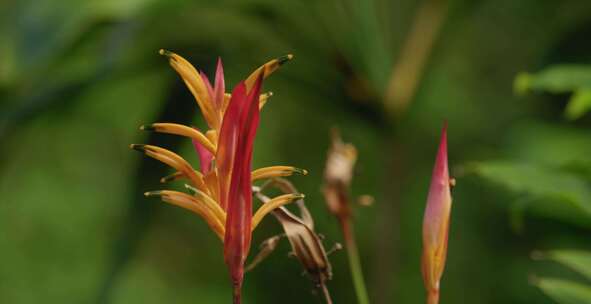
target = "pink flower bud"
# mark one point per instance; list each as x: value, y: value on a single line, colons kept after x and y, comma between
x: 436, y: 223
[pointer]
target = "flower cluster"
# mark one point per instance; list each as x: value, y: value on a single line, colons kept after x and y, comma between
x: 221, y: 191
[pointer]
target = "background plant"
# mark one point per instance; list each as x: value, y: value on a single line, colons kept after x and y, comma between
x: 549, y: 175
x: 78, y: 77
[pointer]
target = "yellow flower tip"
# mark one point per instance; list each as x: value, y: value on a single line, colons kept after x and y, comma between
x: 298, y: 196
x: 152, y: 193
x: 147, y: 127
x: 166, y: 53
x: 171, y: 177
x: 138, y: 147
x: 283, y: 59
x: 270, y: 93
x: 190, y: 188
x: 302, y: 171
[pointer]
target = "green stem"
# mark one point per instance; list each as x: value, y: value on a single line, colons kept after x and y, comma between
x: 354, y: 262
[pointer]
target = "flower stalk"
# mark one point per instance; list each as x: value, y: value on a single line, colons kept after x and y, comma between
x: 338, y: 174
x: 354, y: 261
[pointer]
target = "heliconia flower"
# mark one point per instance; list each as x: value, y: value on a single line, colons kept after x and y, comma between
x: 221, y: 192
x: 436, y: 223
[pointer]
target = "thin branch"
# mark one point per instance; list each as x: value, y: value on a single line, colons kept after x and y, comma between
x: 326, y: 293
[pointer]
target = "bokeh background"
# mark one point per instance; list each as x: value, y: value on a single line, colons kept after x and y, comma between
x: 77, y: 78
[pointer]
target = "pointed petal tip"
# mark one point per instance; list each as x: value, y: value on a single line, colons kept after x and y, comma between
x: 441, y: 170
x: 149, y: 127
x: 283, y: 59
x: 164, y: 52
x: 219, y: 73
x: 301, y: 171
x: 192, y: 189
x: 153, y: 193
x: 138, y: 147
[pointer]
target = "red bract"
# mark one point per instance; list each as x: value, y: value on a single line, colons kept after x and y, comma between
x: 237, y: 135
x: 436, y: 223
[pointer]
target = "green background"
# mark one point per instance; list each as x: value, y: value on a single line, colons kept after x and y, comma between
x: 77, y: 79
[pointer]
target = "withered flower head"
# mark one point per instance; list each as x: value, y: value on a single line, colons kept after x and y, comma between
x: 221, y: 190
x: 340, y: 165
x: 305, y: 242
x: 436, y: 223
x: 338, y: 173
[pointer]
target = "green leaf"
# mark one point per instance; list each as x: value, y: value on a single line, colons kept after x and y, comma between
x: 546, y: 144
x: 577, y: 260
x: 555, y: 79
x: 579, y: 104
x: 565, y: 292
x: 550, y: 192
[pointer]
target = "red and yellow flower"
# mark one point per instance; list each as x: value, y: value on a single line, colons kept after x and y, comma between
x: 221, y: 191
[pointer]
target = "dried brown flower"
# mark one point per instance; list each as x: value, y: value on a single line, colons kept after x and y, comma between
x: 305, y: 242
x: 338, y: 173
x: 340, y: 165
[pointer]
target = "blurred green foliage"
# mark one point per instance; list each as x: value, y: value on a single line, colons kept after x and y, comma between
x: 561, y: 79
x: 553, y: 182
x: 77, y: 78
x: 566, y: 291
